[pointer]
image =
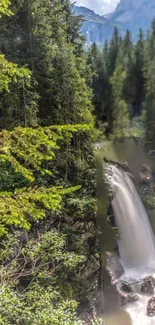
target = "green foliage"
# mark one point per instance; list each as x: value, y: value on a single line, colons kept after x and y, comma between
x: 41, y: 311
x: 79, y: 206
x: 121, y: 122
x: 50, y: 44
x: 10, y: 73
x: 27, y: 149
x: 4, y: 7
x: 150, y: 202
x: 41, y: 166
x: 46, y: 263
x: 95, y: 73
x: 19, y: 106
x: 149, y: 103
x: 26, y: 158
x: 138, y: 127
x: 139, y: 68
x: 25, y: 207
x: 120, y: 80
x: 120, y: 110
x: 31, y: 150
x: 46, y: 259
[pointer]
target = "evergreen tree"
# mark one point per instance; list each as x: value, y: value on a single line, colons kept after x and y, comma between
x: 139, y: 74
x: 46, y: 36
x: 150, y: 103
x: 95, y: 62
x: 110, y: 58
x: 42, y: 219
x: 151, y: 42
x: 127, y: 59
x: 149, y: 69
x: 18, y: 104
x: 107, y: 98
x: 114, y: 50
x: 121, y: 120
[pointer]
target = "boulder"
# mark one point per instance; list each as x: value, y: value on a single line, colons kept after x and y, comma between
x: 127, y: 298
x: 151, y: 307
x: 148, y: 286
x: 125, y: 287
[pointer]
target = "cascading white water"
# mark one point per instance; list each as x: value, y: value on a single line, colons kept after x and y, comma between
x: 136, y: 239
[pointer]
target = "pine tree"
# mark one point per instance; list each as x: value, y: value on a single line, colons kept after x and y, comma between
x: 18, y: 104
x: 114, y: 51
x: 46, y: 37
x: 110, y: 58
x: 4, y: 8
x: 139, y: 74
x: 107, y: 98
x: 151, y: 41
x: 95, y: 63
x: 127, y: 60
x: 121, y: 120
x: 149, y: 70
x: 150, y: 103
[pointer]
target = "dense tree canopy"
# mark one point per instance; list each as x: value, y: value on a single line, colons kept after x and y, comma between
x: 45, y: 168
x: 135, y: 62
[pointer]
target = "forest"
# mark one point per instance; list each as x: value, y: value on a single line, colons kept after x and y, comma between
x: 57, y: 99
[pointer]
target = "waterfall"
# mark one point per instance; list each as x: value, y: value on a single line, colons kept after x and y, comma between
x: 135, y: 236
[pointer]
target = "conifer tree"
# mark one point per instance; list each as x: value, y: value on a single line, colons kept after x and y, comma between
x: 110, y: 58
x: 127, y: 59
x: 139, y: 73
x: 149, y: 70
x: 46, y: 37
x: 121, y: 120
x: 114, y: 50
x: 95, y: 62
x: 18, y: 104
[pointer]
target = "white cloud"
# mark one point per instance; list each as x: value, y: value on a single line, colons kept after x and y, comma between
x: 99, y: 6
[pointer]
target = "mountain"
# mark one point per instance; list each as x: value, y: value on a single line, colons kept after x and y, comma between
x: 96, y: 28
x: 131, y: 14
x: 135, y: 14
x: 127, y: 10
x: 89, y: 15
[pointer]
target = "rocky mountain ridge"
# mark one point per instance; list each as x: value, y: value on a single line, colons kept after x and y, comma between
x: 129, y: 14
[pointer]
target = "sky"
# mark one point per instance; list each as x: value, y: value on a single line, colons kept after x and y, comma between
x: 99, y: 6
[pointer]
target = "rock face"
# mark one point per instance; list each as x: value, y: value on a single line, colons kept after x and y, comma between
x: 127, y: 5
x: 151, y: 307
x: 114, y: 267
x: 126, y: 9
x: 148, y: 286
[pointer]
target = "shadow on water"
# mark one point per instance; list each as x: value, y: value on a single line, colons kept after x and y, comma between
x: 119, y: 318
x: 113, y: 313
